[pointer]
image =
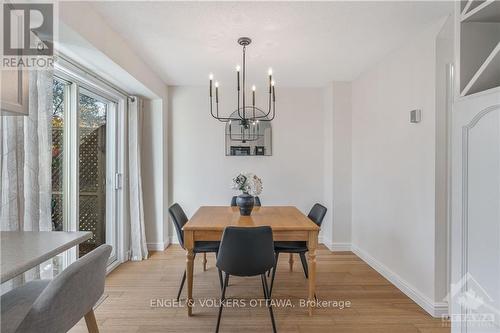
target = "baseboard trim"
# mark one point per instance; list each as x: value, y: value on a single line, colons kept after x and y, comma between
x: 333, y: 246
x: 435, y: 309
x: 157, y: 246
x: 340, y: 247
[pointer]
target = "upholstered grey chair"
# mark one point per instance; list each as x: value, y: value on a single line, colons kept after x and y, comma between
x: 53, y: 306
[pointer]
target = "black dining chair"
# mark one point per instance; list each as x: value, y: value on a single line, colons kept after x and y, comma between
x: 180, y: 219
x: 246, y: 252
x: 233, y: 201
x: 317, y: 214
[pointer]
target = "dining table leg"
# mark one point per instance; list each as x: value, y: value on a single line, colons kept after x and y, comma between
x: 312, y: 244
x: 290, y: 262
x: 189, y: 245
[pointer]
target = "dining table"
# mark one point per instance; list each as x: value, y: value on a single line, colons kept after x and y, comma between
x: 23, y: 250
x: 288, y: 223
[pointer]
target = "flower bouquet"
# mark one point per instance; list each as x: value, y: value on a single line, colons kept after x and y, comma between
x: 250, y: 185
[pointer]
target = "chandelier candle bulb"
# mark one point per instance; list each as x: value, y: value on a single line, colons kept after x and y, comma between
x: 238, y: 76
x: 211, y: 77
x: 270, y: 73
x: 216, y: 92
x: 253, y: 97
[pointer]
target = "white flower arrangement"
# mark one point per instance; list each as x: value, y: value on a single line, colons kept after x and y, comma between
x: 247, y: 183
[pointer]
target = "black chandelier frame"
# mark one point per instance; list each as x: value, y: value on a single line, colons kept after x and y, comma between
x: 243, y: 110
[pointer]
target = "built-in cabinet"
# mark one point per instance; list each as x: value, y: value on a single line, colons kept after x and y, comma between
x: 479, y: 46
x: 14, y: 92
x: 475, y: 201
x: 14, y: 83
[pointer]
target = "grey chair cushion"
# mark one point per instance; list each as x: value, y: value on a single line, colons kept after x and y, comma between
x: 290, y: 246
x: 16, y: 304
x: 206, y: 246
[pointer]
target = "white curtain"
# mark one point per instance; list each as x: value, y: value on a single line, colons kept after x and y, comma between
x: 26, y: 146
x: 25, y: 166
x: 138, y: 248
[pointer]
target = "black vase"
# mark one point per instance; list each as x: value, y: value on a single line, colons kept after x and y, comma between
x: 246, y: 202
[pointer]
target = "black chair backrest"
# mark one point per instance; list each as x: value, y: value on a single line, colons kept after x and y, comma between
x: 233, y: 201
x: 246, y: 251
x: 317, y: 214
x: 180, y: 219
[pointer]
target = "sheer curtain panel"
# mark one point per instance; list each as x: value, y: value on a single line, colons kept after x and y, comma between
x: 138, y: 248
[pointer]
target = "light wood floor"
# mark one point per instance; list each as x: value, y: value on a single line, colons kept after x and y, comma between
x: 377, y: 306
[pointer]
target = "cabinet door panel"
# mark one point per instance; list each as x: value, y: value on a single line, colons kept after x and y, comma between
x: 475, y: 290
x: 15, y: 90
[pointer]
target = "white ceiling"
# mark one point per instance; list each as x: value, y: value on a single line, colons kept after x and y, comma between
x: 306, y: 43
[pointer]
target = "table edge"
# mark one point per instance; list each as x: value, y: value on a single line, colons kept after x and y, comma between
x: 30, y: 264
x: 187, y: 227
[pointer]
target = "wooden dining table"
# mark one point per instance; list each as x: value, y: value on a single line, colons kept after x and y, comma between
x: 287, y: 222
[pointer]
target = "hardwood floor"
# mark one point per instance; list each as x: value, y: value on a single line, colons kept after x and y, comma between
x: 376, y: 305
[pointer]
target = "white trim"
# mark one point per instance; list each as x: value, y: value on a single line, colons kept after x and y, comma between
x: 341, y: 247
x: 334, y: 246
x: 450, y: 86
x: 157, y: 246
x: 435, y: 309
x: 112, y: 266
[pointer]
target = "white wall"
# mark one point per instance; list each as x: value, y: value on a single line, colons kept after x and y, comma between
x: 201, y: 173
x: 90, y: 26
x: 153, y: 174
x: 337, y: 113
x: 342, y: 164
x: 394, y: 168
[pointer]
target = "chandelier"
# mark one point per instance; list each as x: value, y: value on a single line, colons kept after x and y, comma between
x: 246, y: 116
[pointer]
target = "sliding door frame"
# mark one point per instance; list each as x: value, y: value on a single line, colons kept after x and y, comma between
x: 77, y: 81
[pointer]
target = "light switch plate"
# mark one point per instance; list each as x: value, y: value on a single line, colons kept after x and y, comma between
x: 415, y: 116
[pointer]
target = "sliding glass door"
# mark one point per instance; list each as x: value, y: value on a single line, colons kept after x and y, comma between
x: 84, y: 163
x: 93, y: 122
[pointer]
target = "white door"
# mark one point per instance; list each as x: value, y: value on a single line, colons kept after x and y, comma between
x: 475, y: 229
